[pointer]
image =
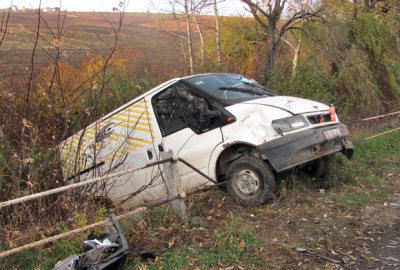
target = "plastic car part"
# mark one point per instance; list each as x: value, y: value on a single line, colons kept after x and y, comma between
x: 100, y: 255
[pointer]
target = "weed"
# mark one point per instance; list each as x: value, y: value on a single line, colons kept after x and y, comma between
x: 81, y: 219
x: 236, y: 241
x: 236, y: 244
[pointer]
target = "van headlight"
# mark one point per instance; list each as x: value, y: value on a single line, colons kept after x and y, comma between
x: 289, y: 123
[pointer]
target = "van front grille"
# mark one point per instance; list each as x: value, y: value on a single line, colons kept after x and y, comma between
x: 318, y: 119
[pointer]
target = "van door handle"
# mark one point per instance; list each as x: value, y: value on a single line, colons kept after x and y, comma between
x: 150, y: 154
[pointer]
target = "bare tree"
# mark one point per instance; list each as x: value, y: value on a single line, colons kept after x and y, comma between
x: 201, y: 39
x: 31, y: 164
x: 298, y: 39
x: 268, y: 14
x: 187, y: 14
x: 116, y: 27
x: 218, y: 33
x: 188, y: 10
x: 5, y: 16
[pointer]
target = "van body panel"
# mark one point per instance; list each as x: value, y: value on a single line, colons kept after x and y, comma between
x: 106, y: 145
x: 196, y: 150
x: 113, y: 145
x: 253, y: 124
x: 293, y: 105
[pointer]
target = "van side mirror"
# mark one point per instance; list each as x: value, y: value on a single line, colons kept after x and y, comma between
x: 203, y: 113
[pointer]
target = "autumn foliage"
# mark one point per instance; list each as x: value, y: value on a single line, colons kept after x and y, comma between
x: 349, y: 57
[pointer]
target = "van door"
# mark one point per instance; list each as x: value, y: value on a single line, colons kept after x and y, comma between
x: 184, y: 133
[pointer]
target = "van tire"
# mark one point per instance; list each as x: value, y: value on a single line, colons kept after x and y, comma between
x: 318, y: 168
x: 250, y: 181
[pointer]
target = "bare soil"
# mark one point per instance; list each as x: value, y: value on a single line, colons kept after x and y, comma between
x: 309, y: 231
x: 145, y: 42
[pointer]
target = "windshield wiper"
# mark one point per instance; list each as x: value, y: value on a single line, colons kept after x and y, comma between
x: 233, y: 88
x: 260, y: 91
x: 264, y: 90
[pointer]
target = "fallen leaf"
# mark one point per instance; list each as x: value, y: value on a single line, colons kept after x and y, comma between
x: 193, y: 261
x: 163, y: 229
x: 171, y: 243
x: 29, y: 184
x: 26, y: 123
x: 221, y: 264
x: 242, y: 245
x: 142, y: 225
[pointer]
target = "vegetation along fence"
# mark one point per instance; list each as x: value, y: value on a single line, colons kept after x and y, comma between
x: 170, y: 172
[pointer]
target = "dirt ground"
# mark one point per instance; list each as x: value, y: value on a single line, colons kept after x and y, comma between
x: 312, y: 231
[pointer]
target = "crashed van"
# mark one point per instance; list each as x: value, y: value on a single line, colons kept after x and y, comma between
x: 228, y: 127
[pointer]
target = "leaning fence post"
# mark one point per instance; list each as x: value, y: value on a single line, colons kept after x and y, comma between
x: 173, y: 183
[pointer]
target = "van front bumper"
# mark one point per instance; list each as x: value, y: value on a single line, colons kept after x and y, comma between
x: 301, y: 147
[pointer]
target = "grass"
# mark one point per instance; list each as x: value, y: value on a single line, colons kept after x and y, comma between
x: 44, y: 257
x: 237, y: 244
x: 236, y: 241
x: 369, y: 171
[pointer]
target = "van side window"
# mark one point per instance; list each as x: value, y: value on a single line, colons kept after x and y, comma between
x: 174, y: 109
x: 186, y: 100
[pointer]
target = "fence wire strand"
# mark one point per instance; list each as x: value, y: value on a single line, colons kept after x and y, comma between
x: 377, y: 135
x: 371, y: 118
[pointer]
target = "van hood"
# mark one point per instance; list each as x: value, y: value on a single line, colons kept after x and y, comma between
x: 293, y: 105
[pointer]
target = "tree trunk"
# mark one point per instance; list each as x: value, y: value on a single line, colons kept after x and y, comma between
x: 296, y: 57
x: 298, y: 45
x: 271, y: 50
x: 267, y: 14
x: 189, y: 35
x: 201, y: 40
x: 355, y: 11
x: 217, y: 29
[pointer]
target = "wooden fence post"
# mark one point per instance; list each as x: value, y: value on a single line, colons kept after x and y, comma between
x: 173, y: 183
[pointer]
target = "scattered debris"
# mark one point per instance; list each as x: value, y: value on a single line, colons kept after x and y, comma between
x: 304, y: 250
x: 147, y: 256
x: 108, y: 251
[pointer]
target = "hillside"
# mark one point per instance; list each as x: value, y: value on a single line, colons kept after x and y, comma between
x: 142, y: 40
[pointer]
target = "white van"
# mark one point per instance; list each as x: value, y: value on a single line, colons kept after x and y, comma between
x: 227, y: 126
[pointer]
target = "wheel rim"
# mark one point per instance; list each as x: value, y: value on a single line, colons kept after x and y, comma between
x: 247, y: 182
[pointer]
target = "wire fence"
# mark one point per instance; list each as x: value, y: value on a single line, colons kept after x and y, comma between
x: 106, y: 178
x: 374, y: 118
x: 140, y: 209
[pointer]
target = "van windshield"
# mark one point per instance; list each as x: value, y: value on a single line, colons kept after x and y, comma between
x: 229, y: 88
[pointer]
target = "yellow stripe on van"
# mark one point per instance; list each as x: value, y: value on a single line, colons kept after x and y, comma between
x: 132, y: 111
x: 132, y: 120
x: 138, y: 145
x: 139, y: 140
x: 135, y: 125
x: 133, y: 149
x: 132, y: 129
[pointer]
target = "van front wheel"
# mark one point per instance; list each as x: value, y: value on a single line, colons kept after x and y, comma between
x: 250, y: 181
